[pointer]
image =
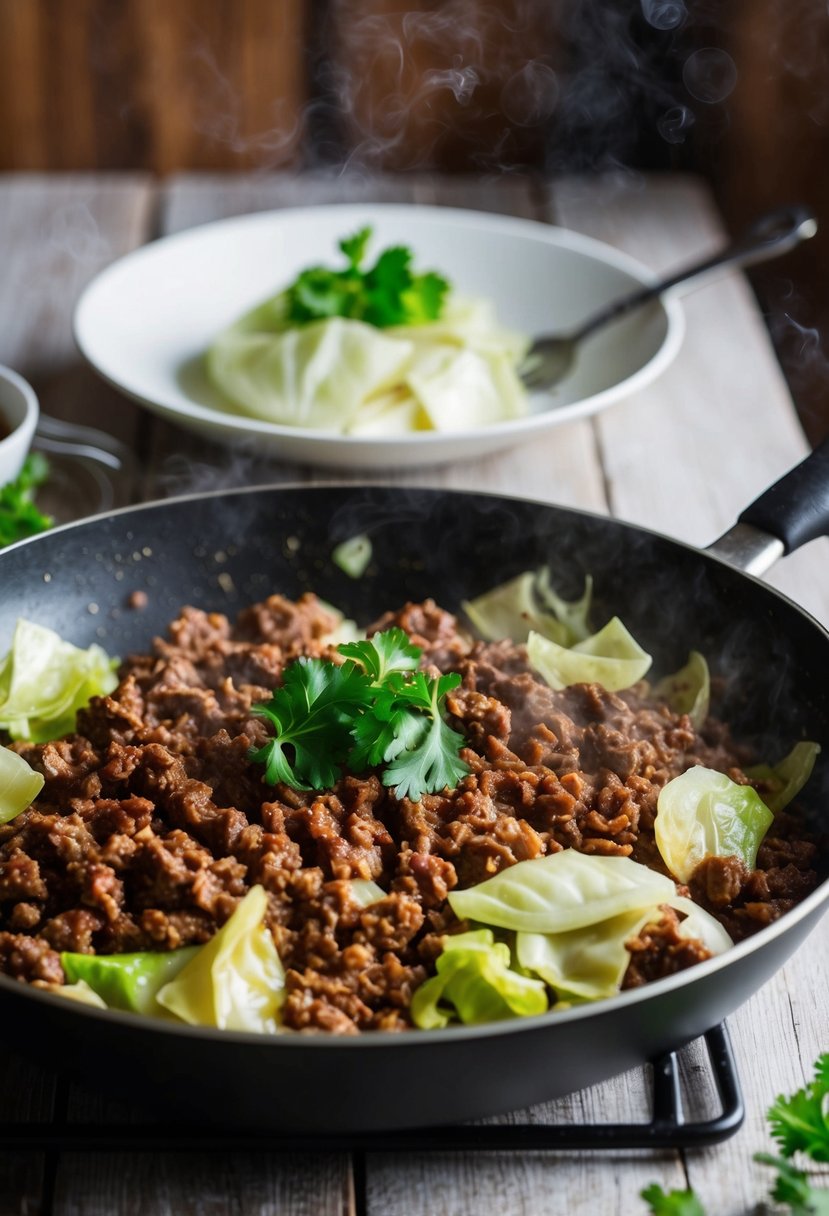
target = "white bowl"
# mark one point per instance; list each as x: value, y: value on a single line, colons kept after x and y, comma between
x: 18, y: 414
x: 145, y: 322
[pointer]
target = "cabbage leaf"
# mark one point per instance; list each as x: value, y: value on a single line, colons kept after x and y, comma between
x: 574, y: 615
x: 783, y: 781
x: 345, y: 376
x: 528, y: 603
x: 688, y: 691
x: 127, y: 981
x: 315, y: 376
x: 19, y: 785
x: 590, y: 962
x: 612, y: 657
x: 365, y: 892
x: 703, y: 813
x: 80, y: 992
x: 475, y: 983
x: 44, y: 681
x: 235, y: 981
x: 562, y: 891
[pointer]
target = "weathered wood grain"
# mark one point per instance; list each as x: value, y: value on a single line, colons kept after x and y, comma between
x: 56, y: 233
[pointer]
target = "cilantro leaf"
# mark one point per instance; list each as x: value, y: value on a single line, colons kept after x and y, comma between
x: 354, y: 247
x: 801, y: 1123
x: 793, y: 1187
x: 384, y: 653
x: 375, y: 709
x: 19, y: 516
x: 388, y: 293
x: 672, y: 1203
x: 433, y: 763
x: 312, y: 714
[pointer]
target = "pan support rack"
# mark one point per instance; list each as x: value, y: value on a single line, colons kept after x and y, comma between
x: 666, y: 1129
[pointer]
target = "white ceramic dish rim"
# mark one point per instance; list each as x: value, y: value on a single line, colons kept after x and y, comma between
x: 483, y: 222
x: 22, y: 417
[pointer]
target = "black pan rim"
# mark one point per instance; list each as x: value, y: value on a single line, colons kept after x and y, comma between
x: 410, y: 1038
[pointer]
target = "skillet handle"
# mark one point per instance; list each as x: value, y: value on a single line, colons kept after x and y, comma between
x: 790, y: 513
x: 796, y: 508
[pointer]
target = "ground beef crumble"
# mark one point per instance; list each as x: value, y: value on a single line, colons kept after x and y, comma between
x: 153, y: 824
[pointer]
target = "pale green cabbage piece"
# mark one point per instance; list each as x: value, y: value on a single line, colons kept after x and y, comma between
x: 474, y: 981
x: 701, y: 924
x: 80, y: 992
x: 127, y: 981
x: 612, y: 657
x: 315, y: 375
x: 44, y: 681
x: 352, y: 556
x: 574, y: 615
x: 590, y: 963
x: 19, y: 785
x: 560, y: 892
x: 528, y: 603
x: 688, y: 691
x: 703, y: 813
x: 347, y: 377
x: 784, y: 780
x: 236, y: 980
x: 366, y: 892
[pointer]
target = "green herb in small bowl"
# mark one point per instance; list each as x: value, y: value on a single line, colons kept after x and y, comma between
x: 19, y: 514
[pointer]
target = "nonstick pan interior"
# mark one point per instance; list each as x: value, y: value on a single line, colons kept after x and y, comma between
x: 223, y: 552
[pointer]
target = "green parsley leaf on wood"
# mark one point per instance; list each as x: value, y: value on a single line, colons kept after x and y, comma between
x: 672, y: 1203
x: 801, y: 1123
x: 388, y: 293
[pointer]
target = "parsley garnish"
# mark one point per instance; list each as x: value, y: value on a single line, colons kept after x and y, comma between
x: 19, y: 517
x: 374, y: 709
x: 389, y: 293
x: 801, y: 1125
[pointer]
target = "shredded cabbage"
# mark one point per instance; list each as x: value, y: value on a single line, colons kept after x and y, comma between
x: 19, y: 785
x: 474, y: 981
x: 348, y: 377
x: 612, y: 657
x: 127, y: 981
x: 783, y: 781
x: 44, y: 681
x: 235, y: 981
x: 574, y: 615
x: 562, y: 891
x: 688, y: 691
x: 703, y: 813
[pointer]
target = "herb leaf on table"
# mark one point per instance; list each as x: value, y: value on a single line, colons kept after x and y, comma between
x: 19, y: 516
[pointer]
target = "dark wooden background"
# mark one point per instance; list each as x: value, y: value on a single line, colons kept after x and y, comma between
x: 735, y: 90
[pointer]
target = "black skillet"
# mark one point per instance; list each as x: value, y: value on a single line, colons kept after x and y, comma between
x: 223, y: 551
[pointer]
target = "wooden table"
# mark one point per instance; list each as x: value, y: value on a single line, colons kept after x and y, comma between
x: 683, y: 456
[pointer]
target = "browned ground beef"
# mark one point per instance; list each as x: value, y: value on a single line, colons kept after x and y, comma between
x: 153, y: 823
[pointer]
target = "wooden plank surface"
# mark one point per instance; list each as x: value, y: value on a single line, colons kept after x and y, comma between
x: 682, y: 456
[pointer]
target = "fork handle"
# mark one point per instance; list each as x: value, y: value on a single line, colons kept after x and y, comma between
x: 768, y: 237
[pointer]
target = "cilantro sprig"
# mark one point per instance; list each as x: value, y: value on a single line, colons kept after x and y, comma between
x: 375, y: 709
x: 19, y: 517
x: 800, y: 1124
x: 387, y: 293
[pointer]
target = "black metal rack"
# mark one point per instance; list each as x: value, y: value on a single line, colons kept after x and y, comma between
x: 667, y: 1127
